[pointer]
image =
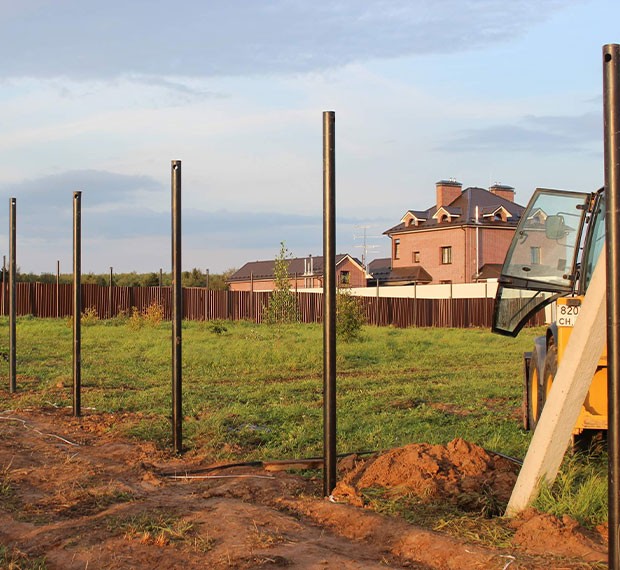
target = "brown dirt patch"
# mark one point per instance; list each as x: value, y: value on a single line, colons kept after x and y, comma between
x: 82, y: 498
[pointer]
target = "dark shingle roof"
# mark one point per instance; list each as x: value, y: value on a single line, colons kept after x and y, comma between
x: 381, y: 269
x: 296, y: 265
x: 465, y: 205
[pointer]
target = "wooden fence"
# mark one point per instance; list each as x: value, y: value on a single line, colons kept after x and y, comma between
x: 199, y: 304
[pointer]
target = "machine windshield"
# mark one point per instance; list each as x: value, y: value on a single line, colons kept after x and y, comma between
x: 540, y: 263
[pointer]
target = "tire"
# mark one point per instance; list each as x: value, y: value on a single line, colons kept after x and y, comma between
x: 533, y: 390
x: 549, y: 371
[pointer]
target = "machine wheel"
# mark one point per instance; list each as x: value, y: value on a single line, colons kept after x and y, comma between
x: 550, y: 369
x: 533, y: 391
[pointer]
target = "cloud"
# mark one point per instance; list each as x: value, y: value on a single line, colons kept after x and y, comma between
x: 88, y: 40
x: 100, y: 187
x: 538, y: 134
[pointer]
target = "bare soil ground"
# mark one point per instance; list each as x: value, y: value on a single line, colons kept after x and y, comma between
x: 80, y: 498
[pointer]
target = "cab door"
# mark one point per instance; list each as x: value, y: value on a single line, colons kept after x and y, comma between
x: 541, y: 262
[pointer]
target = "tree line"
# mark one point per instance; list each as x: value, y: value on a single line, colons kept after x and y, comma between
x: 193, y: 278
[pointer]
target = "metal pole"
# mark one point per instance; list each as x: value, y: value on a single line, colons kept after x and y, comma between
x: 207, y: 284
x: 110, y: 293
x: 2, y: 311
x: 57, y: 288
x: 77, y: 303
x: 177, y: 310
x: 252, y: 295
x: 12, y: 310
x: 611, y: 111
x: 329, y: 302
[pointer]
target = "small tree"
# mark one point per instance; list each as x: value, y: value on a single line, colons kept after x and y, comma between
x: 282, y: 306
x: 350, y: 315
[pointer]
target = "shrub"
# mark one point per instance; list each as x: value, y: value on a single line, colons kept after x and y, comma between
x: 217, y: 327
x: 135, y: 320
x: 90, y: 316
x: 154, y: 314
x: 350, y: 315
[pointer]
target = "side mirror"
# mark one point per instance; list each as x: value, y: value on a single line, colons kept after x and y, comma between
x: 555, y: 228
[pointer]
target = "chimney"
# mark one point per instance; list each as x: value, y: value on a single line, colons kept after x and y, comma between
x: 503, y: 191
x: 447, y: 191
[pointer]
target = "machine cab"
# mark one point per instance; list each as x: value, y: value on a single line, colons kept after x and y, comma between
x: 542, y: 260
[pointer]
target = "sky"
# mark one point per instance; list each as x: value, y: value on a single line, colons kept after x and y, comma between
x: 101, y: 97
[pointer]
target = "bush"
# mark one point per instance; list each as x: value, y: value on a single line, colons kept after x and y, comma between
x: 350, y: 316
x: 90, y: 316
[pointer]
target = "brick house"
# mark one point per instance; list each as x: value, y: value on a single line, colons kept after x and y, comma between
x: 463, y: 238
x: 304, y: 273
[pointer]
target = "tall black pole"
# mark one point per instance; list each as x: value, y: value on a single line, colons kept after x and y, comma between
x: 177, y: 310
x: 57, y: 288
x: 110, y: 292
x: 77, y: 303
x: 2, y: 310
x: 12, y: 310
x: 329, y: 302
x: 611, y: 111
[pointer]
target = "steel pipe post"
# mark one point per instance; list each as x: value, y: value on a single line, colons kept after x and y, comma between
x: 12, y: 287
x: 611, y: 130
x: 110, y: 312
x: 77, y: 304
x: 329, y: 303
x: 177, y: 310
x: 57, y: 288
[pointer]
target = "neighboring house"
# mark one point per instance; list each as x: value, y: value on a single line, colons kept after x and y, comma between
x: 463, y: 238
x: 304, y: 273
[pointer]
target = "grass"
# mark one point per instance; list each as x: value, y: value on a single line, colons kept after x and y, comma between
x: 580, y: 490
x: 255, y: 392
x: 14, y: 559
x: 161, y: 529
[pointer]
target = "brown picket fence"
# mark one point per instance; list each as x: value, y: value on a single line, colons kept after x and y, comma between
x: 49, y: 300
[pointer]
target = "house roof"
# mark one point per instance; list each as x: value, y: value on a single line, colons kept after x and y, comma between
x: 490, y: 271
x: 465, y: 207
x: 381, y: 269
x: 296, y: 266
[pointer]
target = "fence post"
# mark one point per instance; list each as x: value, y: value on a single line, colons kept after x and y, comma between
x: 177, y: 309
x: 329, y: 291
x: 77, y: 302
x: 110, y: 295
x: 12, y: 309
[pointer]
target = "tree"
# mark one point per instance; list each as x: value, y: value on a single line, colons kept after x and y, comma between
x: 282, y: 305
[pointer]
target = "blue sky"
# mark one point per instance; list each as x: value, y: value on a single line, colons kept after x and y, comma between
x: 101, y: 96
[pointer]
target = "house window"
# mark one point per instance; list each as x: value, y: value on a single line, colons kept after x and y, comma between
x: 446, y: 255
x: 535, y: 255
x: 345, y: 278
x: 396, y: 249
x: 416, y: 257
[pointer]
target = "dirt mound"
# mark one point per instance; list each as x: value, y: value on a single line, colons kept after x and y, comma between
x: 460, y: 472
x: 76, y: 495
x: 540, y: 533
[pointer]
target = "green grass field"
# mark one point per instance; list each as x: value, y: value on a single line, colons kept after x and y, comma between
x: 255, y: 391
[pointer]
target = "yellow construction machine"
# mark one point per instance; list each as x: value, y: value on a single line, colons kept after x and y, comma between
x: 549, y: 264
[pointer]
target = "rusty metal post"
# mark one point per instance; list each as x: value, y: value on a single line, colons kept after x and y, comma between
x: 110, y: 293
x: 12, y: 308
x: 77, y: 303
x: 329, y: 303
x: 57, y: 288
x: 611, y: 112
x: 2, y: 309
x: 177, y: 310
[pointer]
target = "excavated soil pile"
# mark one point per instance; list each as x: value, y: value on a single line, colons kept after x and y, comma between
x: 74, y: 494
x: 461, y: 472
